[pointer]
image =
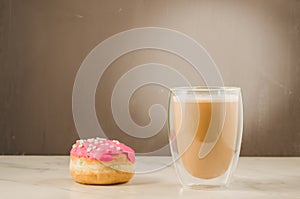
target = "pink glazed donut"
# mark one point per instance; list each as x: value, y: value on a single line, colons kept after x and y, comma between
x: 101, y: 161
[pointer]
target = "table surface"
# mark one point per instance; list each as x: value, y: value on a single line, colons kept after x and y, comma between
x: 48, y: 177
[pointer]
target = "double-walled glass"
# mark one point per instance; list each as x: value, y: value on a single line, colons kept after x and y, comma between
x: 205, y: 132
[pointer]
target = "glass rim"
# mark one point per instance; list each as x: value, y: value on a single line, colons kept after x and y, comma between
x: 204, y: 88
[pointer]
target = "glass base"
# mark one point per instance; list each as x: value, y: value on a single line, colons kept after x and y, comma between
x: 205, y: 187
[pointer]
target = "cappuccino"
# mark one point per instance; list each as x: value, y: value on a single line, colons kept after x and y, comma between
x: 206, y: 130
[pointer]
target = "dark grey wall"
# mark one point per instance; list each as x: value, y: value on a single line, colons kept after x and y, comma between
x: 256, y: 45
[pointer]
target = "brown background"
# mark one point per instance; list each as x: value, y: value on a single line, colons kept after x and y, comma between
x: 256, y: 45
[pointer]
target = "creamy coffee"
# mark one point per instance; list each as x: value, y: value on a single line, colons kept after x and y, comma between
x: 206, y: 130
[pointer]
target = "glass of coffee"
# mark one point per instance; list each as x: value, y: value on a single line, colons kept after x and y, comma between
x: 205, y: 132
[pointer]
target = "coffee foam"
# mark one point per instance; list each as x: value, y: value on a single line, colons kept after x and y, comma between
x: 205, y: 98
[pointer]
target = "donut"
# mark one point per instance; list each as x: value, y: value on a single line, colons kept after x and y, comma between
x: 101, y: 161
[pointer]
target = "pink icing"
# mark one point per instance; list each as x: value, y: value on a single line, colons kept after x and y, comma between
x: 101, y: 149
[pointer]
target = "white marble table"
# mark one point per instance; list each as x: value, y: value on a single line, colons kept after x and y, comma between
x: 48, y: 177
